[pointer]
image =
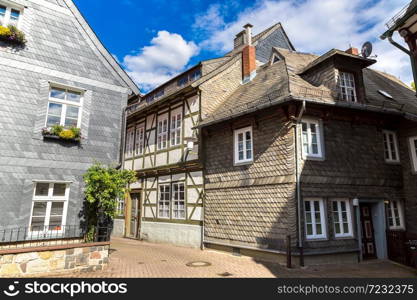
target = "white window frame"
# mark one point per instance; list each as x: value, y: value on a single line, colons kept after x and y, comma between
x: 49, y: 199
x: 164, y: 200
x: 308, y: 134
x: 65, y: 103
x: 9, y: 7
x: 120, y: 207
x: 162, y: 133
x: 176, y: 202
x: 314, y: 235
x: 130, y: 142
x: 388, y: 134
x: 339, y: 212
x: 140, y: 139
x: 413, y: 153
x: 243, y: 131
x: 345, y: 88
x: 391, y: 215
x: 176, y: 129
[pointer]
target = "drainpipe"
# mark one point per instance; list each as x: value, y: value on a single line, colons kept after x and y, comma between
x: 298, y: 183
x: 408, y: 52
x: 122, y: 154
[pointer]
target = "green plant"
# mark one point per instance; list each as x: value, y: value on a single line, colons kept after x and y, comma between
x: 12, y: 34
x: 56, y: 129
x: 76, y: 131
x: 4, y: 31
x: 103, y: 186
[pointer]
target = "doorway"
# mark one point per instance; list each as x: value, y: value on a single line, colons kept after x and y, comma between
x: 135, y: 214
x: 368, y: 233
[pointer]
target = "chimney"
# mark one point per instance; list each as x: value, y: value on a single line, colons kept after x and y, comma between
x: 353, y: 51
x: 248, y: 56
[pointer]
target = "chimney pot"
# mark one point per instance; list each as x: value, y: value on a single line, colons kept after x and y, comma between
x: 248, y: 30
x: 353, y: 51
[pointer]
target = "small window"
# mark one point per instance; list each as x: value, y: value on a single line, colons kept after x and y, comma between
x: 49, y: 207
x: 315, y: 221
x: 64, y: 108
x: 342, y: 218
x: 182, y: 81
x: 120, y: 207
x: 164, y: 200
x: 413, y: 152
x: 159, y: 94
x: 275, y: 59
x: 243, y: 145
x: 150, y: 98
x: 176, y: 123
x: 395, y: 215
x: 311, y: 138
x: 195, y: 75
x: 178, y: 201
x: 140, y: 139
x: 9, y: 16
x: 162, y: 142
x: 391, y: 146
x: 347, y: 86
x: 130, y: 138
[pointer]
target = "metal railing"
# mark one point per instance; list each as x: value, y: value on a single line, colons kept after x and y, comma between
x: 391, y: 22
x: 40, y: 236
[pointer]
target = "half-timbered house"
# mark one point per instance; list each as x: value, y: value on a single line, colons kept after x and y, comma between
x: 163, y: 144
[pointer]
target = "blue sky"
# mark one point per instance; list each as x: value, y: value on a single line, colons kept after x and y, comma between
x: 157, y: 39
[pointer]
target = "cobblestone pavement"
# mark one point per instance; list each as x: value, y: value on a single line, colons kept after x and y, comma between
x: 131, y: 258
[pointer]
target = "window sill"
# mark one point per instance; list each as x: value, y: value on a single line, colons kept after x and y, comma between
x: 393, y: 162
x: 314, y: 158
x: 344, y: 237
x: 55, y: 137
x: 243, y: 163
x: 317, y: 239
x: 396, y: 228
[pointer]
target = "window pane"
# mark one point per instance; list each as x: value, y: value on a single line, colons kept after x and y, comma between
x: 14, y: 15
x: 39, y: 209
x: 57, y: 208
x: 55, y: 223
x: 318, y: 229
x: 53, y: 121
x: 309, y: 229
x: 42, y: 189
x: 58, y: 93
x: 72, y: 112
x: 71, y: 122
x: 37, y: 223
x: 54, y: 109
x: 73, y: 96
x: 59, y: 189
x: 307, y: 206
x: 337, y: 228
x: 346, y: 227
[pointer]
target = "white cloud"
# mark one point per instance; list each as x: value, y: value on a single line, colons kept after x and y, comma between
x: 167, y: 56
x: 316, y: 26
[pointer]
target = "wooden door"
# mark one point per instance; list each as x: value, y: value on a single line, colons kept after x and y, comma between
x: 368, y: 234
x: 135, y: 214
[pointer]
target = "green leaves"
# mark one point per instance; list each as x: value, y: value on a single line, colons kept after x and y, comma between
x: 104, y: 185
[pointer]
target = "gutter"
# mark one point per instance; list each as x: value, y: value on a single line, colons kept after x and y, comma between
x: 298, y: 181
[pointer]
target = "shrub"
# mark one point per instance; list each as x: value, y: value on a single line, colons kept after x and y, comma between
x: 56, y: 129
x: 4, y: 31
x: 67, y: 134
x: 12, y: 34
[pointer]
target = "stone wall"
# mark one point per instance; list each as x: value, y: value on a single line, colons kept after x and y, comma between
x: 54, y: 259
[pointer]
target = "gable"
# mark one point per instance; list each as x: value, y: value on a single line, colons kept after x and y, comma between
x: 264, y: 45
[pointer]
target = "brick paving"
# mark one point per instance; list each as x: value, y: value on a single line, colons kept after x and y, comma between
x: 135, y: 259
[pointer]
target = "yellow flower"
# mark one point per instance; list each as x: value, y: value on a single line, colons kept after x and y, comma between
x: 67, y: 134
x: 4, y: 31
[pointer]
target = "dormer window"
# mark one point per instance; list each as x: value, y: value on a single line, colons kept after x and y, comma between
x: 347, y: 87
x: 275, y: 59
x: 9, y: 16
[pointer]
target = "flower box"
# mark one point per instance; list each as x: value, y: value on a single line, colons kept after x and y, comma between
x: 12, y: 35
x: 71, y: 134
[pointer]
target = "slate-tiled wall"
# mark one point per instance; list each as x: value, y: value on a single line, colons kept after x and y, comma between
x: 54, y: 44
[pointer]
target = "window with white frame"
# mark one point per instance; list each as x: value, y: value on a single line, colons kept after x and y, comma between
x: 342, y: 218
x: 395, y: 215
x: 311, y: 138
x: 391, y: 146
x: 162, y: 139
x: 164, y: 200
x: 178, y: 200
x: 176, y: 124
x: 347, y: 86
x: 315, y: 220
x: 9, y: 15
x: 49, y: 206
x: 120, y: 207
x: 413, y: 152
x: 130, y: 139
x: 140, y: 139
x: 243, y: 145
x: 64, y: 107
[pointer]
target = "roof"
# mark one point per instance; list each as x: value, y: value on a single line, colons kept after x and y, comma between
x: 282, y: 81
x: 400, y: 18
x: 106, y: 57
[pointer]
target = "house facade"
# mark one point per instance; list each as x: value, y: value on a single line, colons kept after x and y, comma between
x: 315, y: 151
x: 163, y: 144
x: 62, y: 97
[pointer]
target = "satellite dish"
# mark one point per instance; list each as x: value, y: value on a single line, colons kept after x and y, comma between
x: 366, y: 50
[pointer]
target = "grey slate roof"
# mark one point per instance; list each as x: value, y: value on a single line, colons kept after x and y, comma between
x: 282, y: 81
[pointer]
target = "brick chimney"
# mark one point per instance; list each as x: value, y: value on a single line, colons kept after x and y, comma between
x: 353, y: 51
x: 248, y: 56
